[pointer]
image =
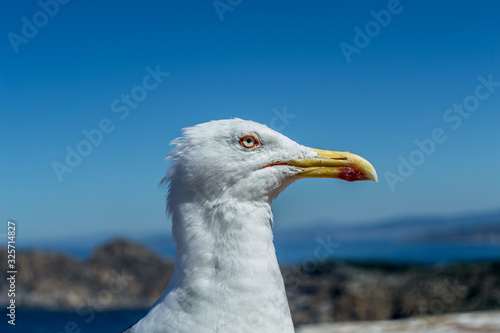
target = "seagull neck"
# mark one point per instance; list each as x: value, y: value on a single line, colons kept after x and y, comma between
x: 226, y: 261
x: 216, y: 238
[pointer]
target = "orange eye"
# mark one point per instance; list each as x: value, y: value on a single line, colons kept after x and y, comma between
x: 249, y: 141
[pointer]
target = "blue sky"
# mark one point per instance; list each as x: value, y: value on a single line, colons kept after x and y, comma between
x: 252, y: 60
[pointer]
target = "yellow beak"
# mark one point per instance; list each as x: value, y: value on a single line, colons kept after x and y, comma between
x: 332, y: 164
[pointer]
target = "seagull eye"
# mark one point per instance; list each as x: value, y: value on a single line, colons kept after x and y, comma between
x: 249, y: 141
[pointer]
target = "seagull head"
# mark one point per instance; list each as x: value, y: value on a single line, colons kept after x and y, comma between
x: 222, y: 180
x: 241, y: 160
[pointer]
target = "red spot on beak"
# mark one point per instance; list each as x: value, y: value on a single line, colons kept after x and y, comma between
x: 351, y: 174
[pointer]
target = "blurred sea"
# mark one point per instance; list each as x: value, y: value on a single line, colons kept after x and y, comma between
x: 430, y: 253
x: 70, y: 322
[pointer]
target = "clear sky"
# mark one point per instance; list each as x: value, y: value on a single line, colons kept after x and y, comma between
x: 369, y: 77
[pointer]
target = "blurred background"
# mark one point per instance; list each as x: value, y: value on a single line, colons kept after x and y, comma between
x: 92, y: 93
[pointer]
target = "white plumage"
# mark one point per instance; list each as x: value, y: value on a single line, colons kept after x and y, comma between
x: 222, y: 180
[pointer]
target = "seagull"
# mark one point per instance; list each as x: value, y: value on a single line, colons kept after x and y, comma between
x: 223, y: 178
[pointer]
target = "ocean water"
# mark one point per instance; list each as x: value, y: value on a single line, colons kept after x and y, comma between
x: 295, y: 251
x: 70, y: 322
x: 388, y: 251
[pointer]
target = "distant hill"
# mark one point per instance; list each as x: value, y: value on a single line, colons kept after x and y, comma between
x: 419, y: 229
x: 119, y: 274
